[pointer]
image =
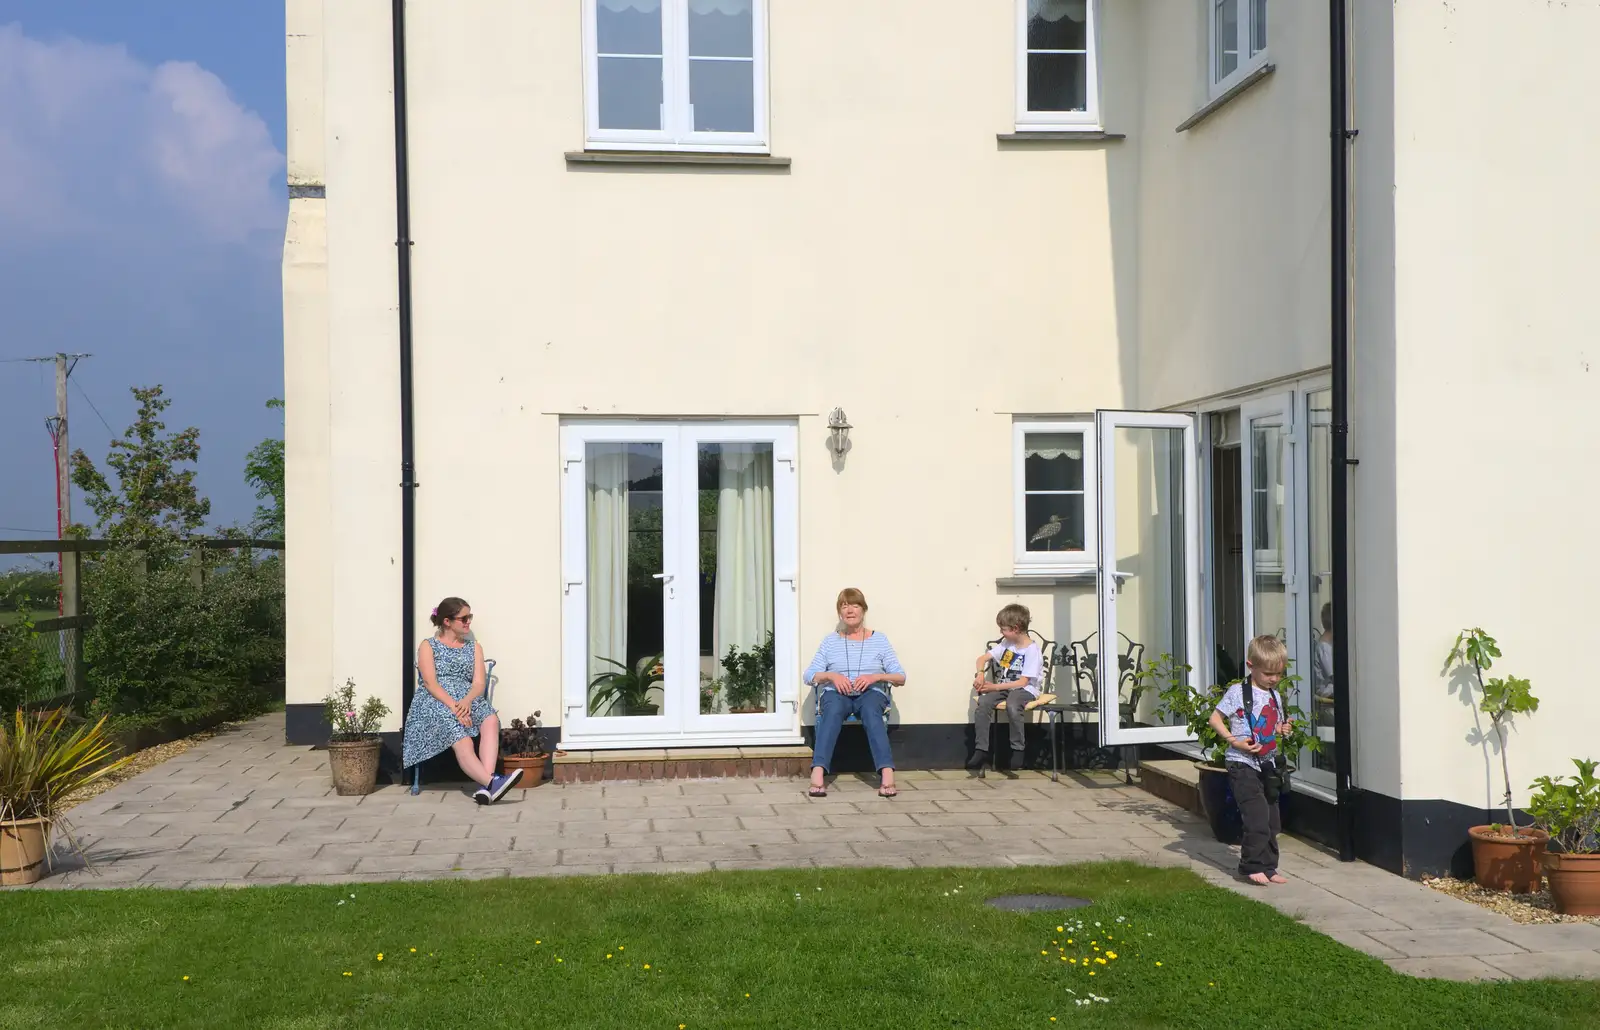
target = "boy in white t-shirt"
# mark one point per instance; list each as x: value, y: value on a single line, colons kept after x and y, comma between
x: 1019, y: 666
x: 1254, y: 759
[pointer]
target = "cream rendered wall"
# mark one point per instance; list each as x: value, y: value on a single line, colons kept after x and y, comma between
x: 1233, y: 237
x: 305, y: 332
x: 908, y: 268
x: 1495, y: 378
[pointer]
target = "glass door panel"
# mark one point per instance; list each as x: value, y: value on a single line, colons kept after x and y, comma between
x: 1268, y: 482
x: 1317, y: 641
x: 1149, y: 566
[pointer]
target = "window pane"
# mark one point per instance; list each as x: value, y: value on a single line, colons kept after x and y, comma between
x: 1052, y: 461
x: 1319, y: 464
x: 723, y: 95
x: 1225, y: 26
x: 736, y: 592
x: 1153, y: 602
x: 627, y: 631
x: 629, y: 27
x: 1258, y: 26
x: 1058, y: 24
x: 721, y: 28
x: 1053, y: 522
x: 1058, y: 82
x: 630, y: 93
x: 1267, y: 488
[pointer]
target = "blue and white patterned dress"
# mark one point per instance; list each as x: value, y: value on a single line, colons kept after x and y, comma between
x: 431, y: 728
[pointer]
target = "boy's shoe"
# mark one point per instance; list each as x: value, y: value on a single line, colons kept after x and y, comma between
x: 498, y: 785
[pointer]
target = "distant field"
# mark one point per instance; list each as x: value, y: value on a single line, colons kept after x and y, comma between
x: 6, y: 618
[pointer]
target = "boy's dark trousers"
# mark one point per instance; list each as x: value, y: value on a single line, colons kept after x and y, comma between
x: 1258, y: 852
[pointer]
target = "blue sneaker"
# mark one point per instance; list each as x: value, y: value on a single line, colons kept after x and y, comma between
x: 481, y: 795
x: 498, y: 785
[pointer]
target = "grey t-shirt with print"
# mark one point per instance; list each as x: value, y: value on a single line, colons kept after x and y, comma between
x: 1266, y: 716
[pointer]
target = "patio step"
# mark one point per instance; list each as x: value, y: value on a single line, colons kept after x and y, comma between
x: 688, y: 763
x: 1172, y: 779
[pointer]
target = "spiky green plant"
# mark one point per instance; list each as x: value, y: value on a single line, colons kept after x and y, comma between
x: 44, y: 760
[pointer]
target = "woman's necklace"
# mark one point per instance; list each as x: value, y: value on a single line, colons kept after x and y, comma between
x: 852, y: 669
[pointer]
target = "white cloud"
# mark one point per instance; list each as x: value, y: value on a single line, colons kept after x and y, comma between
x: 92, y: 139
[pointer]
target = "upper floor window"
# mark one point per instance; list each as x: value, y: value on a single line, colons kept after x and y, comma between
x: 676, y: 74
x: 1238, y: 40
x: 1057, y: 85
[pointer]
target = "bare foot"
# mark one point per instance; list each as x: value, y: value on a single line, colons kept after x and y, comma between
x: 887, y: 790
x: 1278, y: 878
x: 1259, y: 879
x: 819, y: 788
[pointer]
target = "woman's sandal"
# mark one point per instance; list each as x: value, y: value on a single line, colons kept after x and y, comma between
x: 887, y: 792
x: 817, y: 792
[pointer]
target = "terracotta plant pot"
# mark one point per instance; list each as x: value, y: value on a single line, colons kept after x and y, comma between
x: 354, y: 764
x: 750, y: 710
x: 1574, y: 883
x: 1501, y: 862
x: 22, y: 851
x: 532, y: 765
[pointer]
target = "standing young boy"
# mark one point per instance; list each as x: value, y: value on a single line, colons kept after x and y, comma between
x: 1253, y: 756
x: 1020, y: 666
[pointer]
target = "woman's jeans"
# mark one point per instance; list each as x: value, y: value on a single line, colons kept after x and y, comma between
x: 834, y: 708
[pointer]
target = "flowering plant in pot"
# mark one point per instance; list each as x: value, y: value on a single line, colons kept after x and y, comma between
x: 747, y: 677
x: 1570, y: 813
x: 521, y: 748
x: 1180, y: 702
x: 44, y: 760
x: 1505, y: 856
x: 353, y: 744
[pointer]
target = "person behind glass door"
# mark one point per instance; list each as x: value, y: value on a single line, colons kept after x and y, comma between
x: 853, y: 670
x: 1322, y: 663
x: 450, y: 707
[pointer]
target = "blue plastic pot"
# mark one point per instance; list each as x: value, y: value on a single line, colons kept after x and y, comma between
x: 1221, y: 810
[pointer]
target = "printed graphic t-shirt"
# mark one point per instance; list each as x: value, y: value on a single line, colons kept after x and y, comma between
x: 1017, y: 662
x: 1264, y: 718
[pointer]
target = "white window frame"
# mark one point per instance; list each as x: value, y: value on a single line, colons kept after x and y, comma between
x: 1050, y: 563
x: 1248, y: 62
x: 1087, y: 120
x: 677, y: 132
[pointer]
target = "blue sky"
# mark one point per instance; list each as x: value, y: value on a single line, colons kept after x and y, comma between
x: 142, y: 203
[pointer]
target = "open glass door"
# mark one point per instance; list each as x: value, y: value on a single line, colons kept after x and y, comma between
x: 1271, y: 596
x: 1149, y: 565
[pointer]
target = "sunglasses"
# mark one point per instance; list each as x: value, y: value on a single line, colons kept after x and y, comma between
x: 462, y: 618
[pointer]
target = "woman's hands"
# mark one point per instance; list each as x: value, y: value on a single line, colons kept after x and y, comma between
x: 844, y: 685
x: 462, y: 710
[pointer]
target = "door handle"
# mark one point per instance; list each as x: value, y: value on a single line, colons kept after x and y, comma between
x: 666, y: 580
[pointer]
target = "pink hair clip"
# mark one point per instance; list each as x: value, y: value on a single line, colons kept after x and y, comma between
x: 433, y: 613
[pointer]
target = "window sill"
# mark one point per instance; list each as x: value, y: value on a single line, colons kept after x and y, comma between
x: 1060, y: 136
x: 1226, y: 98
x: 674, y: 157
x: 1027, y: 579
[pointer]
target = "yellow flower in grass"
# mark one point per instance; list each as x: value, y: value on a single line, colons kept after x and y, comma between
x: 1091, y: 972
x: 413, y: 951
x: 608, y: 954
x: 1111, y: 954
x: 1061, y: 929
x: 1158, y: 963
x: 647, y: 965
x: 1099, y: 961
x: 347, y: 974
x: 380, y: 956
x: 186, y: 978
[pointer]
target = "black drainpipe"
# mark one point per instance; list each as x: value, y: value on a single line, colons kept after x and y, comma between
x: 402, y: 244
x: 1338, y: 72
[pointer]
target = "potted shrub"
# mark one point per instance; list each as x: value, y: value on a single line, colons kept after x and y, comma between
x: 626, y: 691
x: 520, y: 748
x: 1505, y: 856
x: 1183, y: 703
x: 747, y: 677
x: 1570, y: 813
x: 44, y: 760
x: 353, y: 744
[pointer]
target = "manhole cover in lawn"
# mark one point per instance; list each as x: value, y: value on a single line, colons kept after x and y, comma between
x: 1036, y: 902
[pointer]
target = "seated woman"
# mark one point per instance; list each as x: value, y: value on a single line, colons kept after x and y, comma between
x: 853, y: 671
x: 450, y: 707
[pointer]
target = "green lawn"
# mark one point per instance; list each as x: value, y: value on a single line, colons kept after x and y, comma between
x: 868, y: 948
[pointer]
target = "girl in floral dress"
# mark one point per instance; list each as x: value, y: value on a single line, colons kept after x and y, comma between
x: 450, y: 709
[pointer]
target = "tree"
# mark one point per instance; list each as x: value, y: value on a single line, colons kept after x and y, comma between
x: 154, y: 498
x: 263, y: 469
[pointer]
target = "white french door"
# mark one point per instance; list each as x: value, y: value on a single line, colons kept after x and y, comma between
x: 1271, y: 594
x: 679, y: 548
x: 1149, y: 565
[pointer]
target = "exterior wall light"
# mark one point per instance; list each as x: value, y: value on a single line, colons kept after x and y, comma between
x: 838, y: 432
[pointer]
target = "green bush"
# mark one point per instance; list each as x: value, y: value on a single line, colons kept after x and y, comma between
x: 25, y: 671
x: 160, y: 646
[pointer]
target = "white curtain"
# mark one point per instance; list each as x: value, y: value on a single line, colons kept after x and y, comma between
x: 1051, y: 446
x: 608, y: 555
x: 743, y: 614
x: 697, y: 6
x: 1047, y: 10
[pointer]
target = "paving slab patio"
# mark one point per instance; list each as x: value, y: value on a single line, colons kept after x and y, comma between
x: 245, y: 809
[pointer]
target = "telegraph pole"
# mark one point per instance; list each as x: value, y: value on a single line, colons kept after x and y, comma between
x: 67, y: 574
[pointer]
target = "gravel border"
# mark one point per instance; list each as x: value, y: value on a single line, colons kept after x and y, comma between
x: 1520, y: 908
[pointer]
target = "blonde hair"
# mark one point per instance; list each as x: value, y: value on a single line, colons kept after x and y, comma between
x: 850, y: 595
x: 1268, y: 654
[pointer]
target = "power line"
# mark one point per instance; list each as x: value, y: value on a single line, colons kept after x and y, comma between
x: 96, y: 410
x: 25, y: 529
